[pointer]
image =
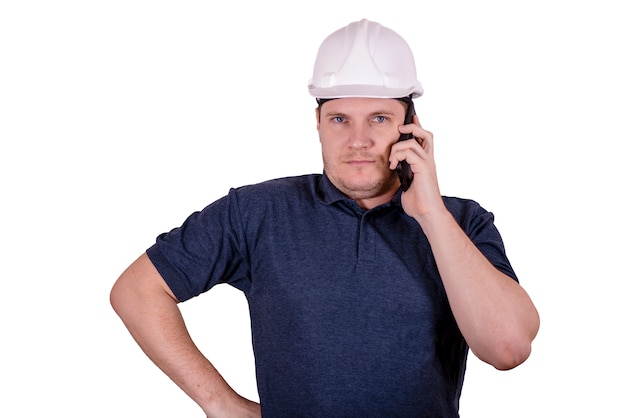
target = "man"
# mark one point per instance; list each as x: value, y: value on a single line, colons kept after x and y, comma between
x: 364, y: 298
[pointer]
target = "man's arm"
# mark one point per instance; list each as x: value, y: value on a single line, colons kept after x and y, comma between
x: 150, y: 311
x: 494, y: 313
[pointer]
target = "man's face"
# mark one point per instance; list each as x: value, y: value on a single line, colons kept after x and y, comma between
x: 356, y: 136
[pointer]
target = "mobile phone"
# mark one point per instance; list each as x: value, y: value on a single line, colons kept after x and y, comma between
x: 404, y: 168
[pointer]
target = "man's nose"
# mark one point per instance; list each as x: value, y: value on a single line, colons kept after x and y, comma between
x: 360, y: 136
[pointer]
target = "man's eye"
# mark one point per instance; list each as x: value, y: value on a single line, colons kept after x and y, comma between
x: 380, y: 119
x: 339, y: 119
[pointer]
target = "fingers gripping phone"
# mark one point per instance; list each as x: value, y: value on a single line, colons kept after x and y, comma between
x: 404, y: 168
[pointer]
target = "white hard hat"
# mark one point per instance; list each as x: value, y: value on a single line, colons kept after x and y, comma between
x: 364, y: 59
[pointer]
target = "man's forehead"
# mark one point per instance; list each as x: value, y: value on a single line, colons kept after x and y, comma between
x: 363, y: 104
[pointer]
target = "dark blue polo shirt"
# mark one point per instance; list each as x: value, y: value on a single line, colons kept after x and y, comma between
x: 349, y: 316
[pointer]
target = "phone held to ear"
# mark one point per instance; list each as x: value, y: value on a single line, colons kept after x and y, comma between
x: 404, y: 168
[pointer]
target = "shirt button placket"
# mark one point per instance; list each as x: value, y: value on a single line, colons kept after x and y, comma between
x: 367, y: 241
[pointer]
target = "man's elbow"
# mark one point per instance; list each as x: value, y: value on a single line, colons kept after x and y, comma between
x: 514, y: 346
x: 511, y: 356
x: 505, y: 354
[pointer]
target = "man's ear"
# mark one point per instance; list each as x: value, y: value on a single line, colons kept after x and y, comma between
x: 317, y: 116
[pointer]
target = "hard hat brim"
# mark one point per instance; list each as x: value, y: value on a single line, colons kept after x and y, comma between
x: 345, y: 91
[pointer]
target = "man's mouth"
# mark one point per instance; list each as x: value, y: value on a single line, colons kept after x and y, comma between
x: 358, y: 161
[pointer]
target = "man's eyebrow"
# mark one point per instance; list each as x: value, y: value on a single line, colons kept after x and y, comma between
x: 385, y: 113
x: 382, y: 112
x: 334, y: 114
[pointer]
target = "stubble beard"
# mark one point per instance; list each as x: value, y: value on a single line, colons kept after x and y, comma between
x: 362, y: 188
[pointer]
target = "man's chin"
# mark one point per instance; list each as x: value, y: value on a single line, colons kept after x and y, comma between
x: 363, y: 187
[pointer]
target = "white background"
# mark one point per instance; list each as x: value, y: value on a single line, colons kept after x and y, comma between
x: 120, y: 118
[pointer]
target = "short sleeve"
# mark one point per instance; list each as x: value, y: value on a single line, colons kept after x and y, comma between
x: 206, y: 250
